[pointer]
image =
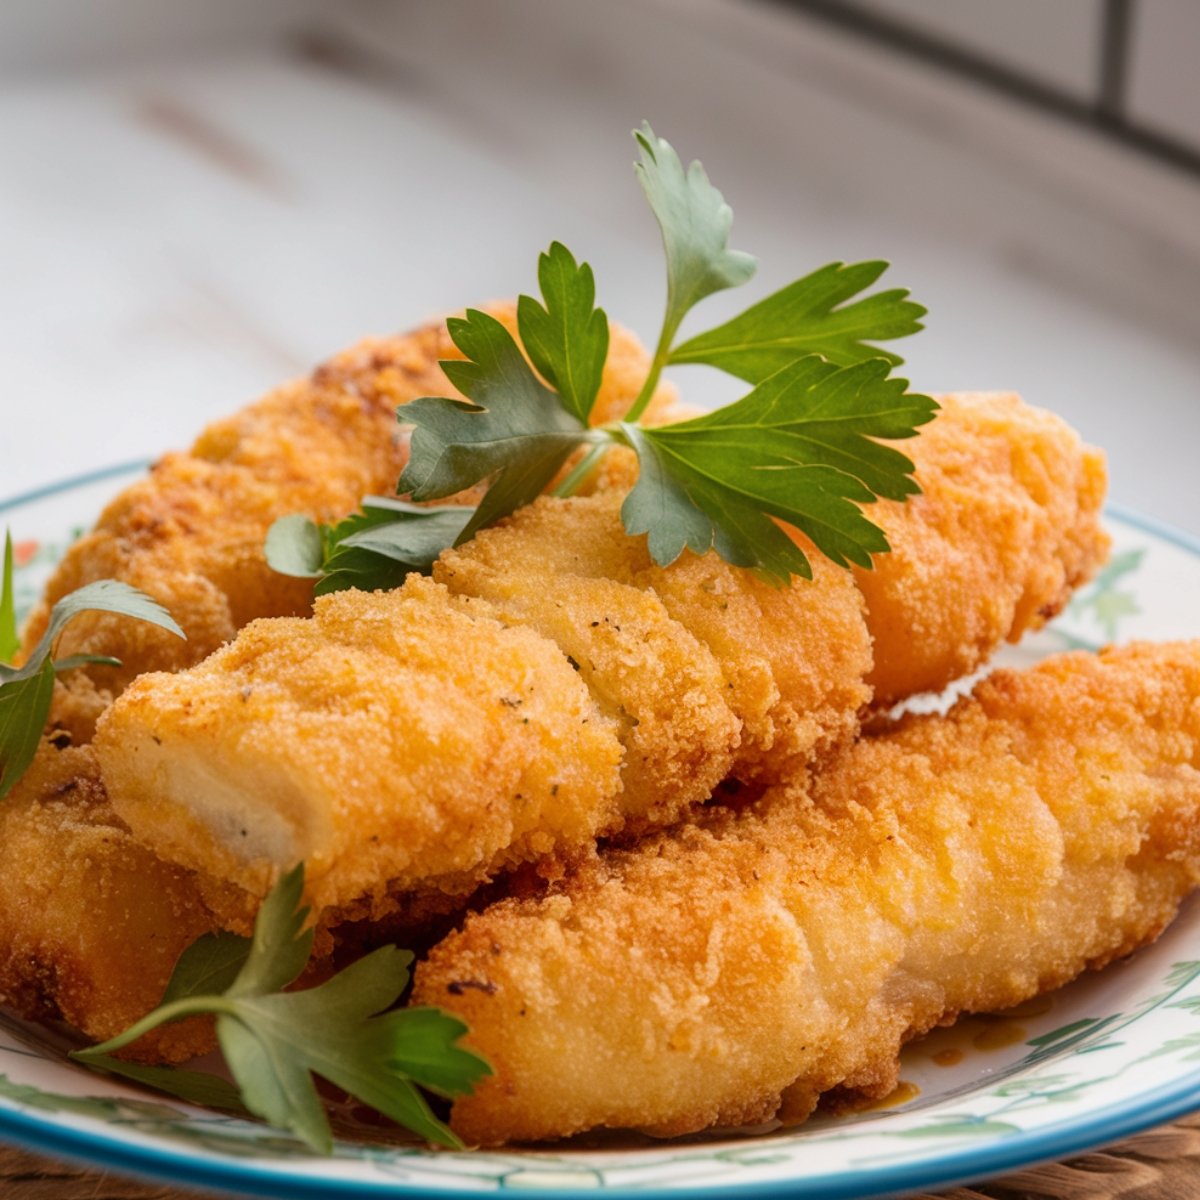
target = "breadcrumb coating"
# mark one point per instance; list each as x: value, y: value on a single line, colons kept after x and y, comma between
x: 91, y: 922
x: 191, y: 533
x: 732, y: 971
x: 775, y: 673
x: 405, y: 738
x: 1007, y: 525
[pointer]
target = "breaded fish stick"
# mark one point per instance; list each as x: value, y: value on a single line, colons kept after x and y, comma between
x: 402, y: 738
x: 787, y: 664
x: 1005, y: 527
x: 191, y: 534
x: 733, y: 972
x: 91, y: 923
x: 284, y: 746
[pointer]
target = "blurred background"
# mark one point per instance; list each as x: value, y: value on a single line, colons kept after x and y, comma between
x: 199, y: 198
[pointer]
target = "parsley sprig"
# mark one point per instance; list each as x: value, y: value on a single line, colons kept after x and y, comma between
x: 274, y: 1040
x: 373, y: 549
x: 10, y: 637
x: 803, y: 448
x: 26, y: 691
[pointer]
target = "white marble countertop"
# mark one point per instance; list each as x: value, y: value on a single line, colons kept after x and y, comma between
x: 179, y: 234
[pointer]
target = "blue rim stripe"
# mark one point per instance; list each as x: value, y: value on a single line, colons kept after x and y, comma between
x: 76, y: 481
x: 1069, y: 1137
x: 973, y: 1163
x: 1152, y: 525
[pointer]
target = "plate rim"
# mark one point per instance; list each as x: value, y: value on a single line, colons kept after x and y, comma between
x: 83, y: 479
x: 1020, y: 1151
x: 1023, y: 1149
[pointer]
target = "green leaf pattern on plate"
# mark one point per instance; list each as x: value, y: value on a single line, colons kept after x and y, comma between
x: 1104, y: 604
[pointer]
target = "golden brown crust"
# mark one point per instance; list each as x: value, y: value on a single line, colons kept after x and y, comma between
x: 762, y: 678
x: 698, y: 669
x: 662, y: 688
x: 1005, y: 527
x: 91, y: 923
x: 405, y: 737
x: 256, y: 759
x: 191, y: 534
x: 739, y: 968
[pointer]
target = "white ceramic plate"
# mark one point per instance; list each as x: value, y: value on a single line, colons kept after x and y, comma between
x: 1113, y: 1053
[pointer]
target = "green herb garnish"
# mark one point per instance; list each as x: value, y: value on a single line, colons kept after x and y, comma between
x: 274, y: 1041
x: 803, y: 448
x: 810, y: 316
x: 26, y: 692
x: 566, y: 337
x: 10, y: 637
x: 799, y: 447
x: 516, y: 432
x: 371, y: 550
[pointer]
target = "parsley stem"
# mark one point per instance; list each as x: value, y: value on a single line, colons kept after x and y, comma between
x: 581, y: 470
x: 661, y: 353
x: 189, y: 1006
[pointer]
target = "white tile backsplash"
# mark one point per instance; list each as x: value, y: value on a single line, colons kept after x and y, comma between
x: 1054, y: 41
x: 1164, y: 84
x: 37, y: 36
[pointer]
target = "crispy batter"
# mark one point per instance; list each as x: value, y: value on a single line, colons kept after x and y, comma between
x: 404, y: 737
x: 728, y: 973
x: 663, y: 689
x: 786, y: 664
x: 697, y: 669
x: 1005, y: 527
x: 256, y: 759
x: 191, y: 534
x: 91, y: 923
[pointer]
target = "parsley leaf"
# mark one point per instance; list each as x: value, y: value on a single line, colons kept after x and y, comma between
x: 372, y: 550
x: 10, y: 638
x: 803, y: 448
x: 695, y: 223
x: 295, y: 546
x: 105, y: 595
x: 567, y: 338
x: 26, y: 692
x: 515, y: 432
x: 196, y: 1087
x: 24, y: 707
x: 274, y: 1041
x: 800, y: 448
x: 281, y: 945
x: 210, y: 964
x: 810, y: 316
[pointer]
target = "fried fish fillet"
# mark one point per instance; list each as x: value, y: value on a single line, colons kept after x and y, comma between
x: 1005, y: 527
x: 786, y: 664
x: 425, y: 739
x: 401, y: 737
x: 308, y: 739
x: 191, y: 534
x: 734, y: 970
x: 91, y: 922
